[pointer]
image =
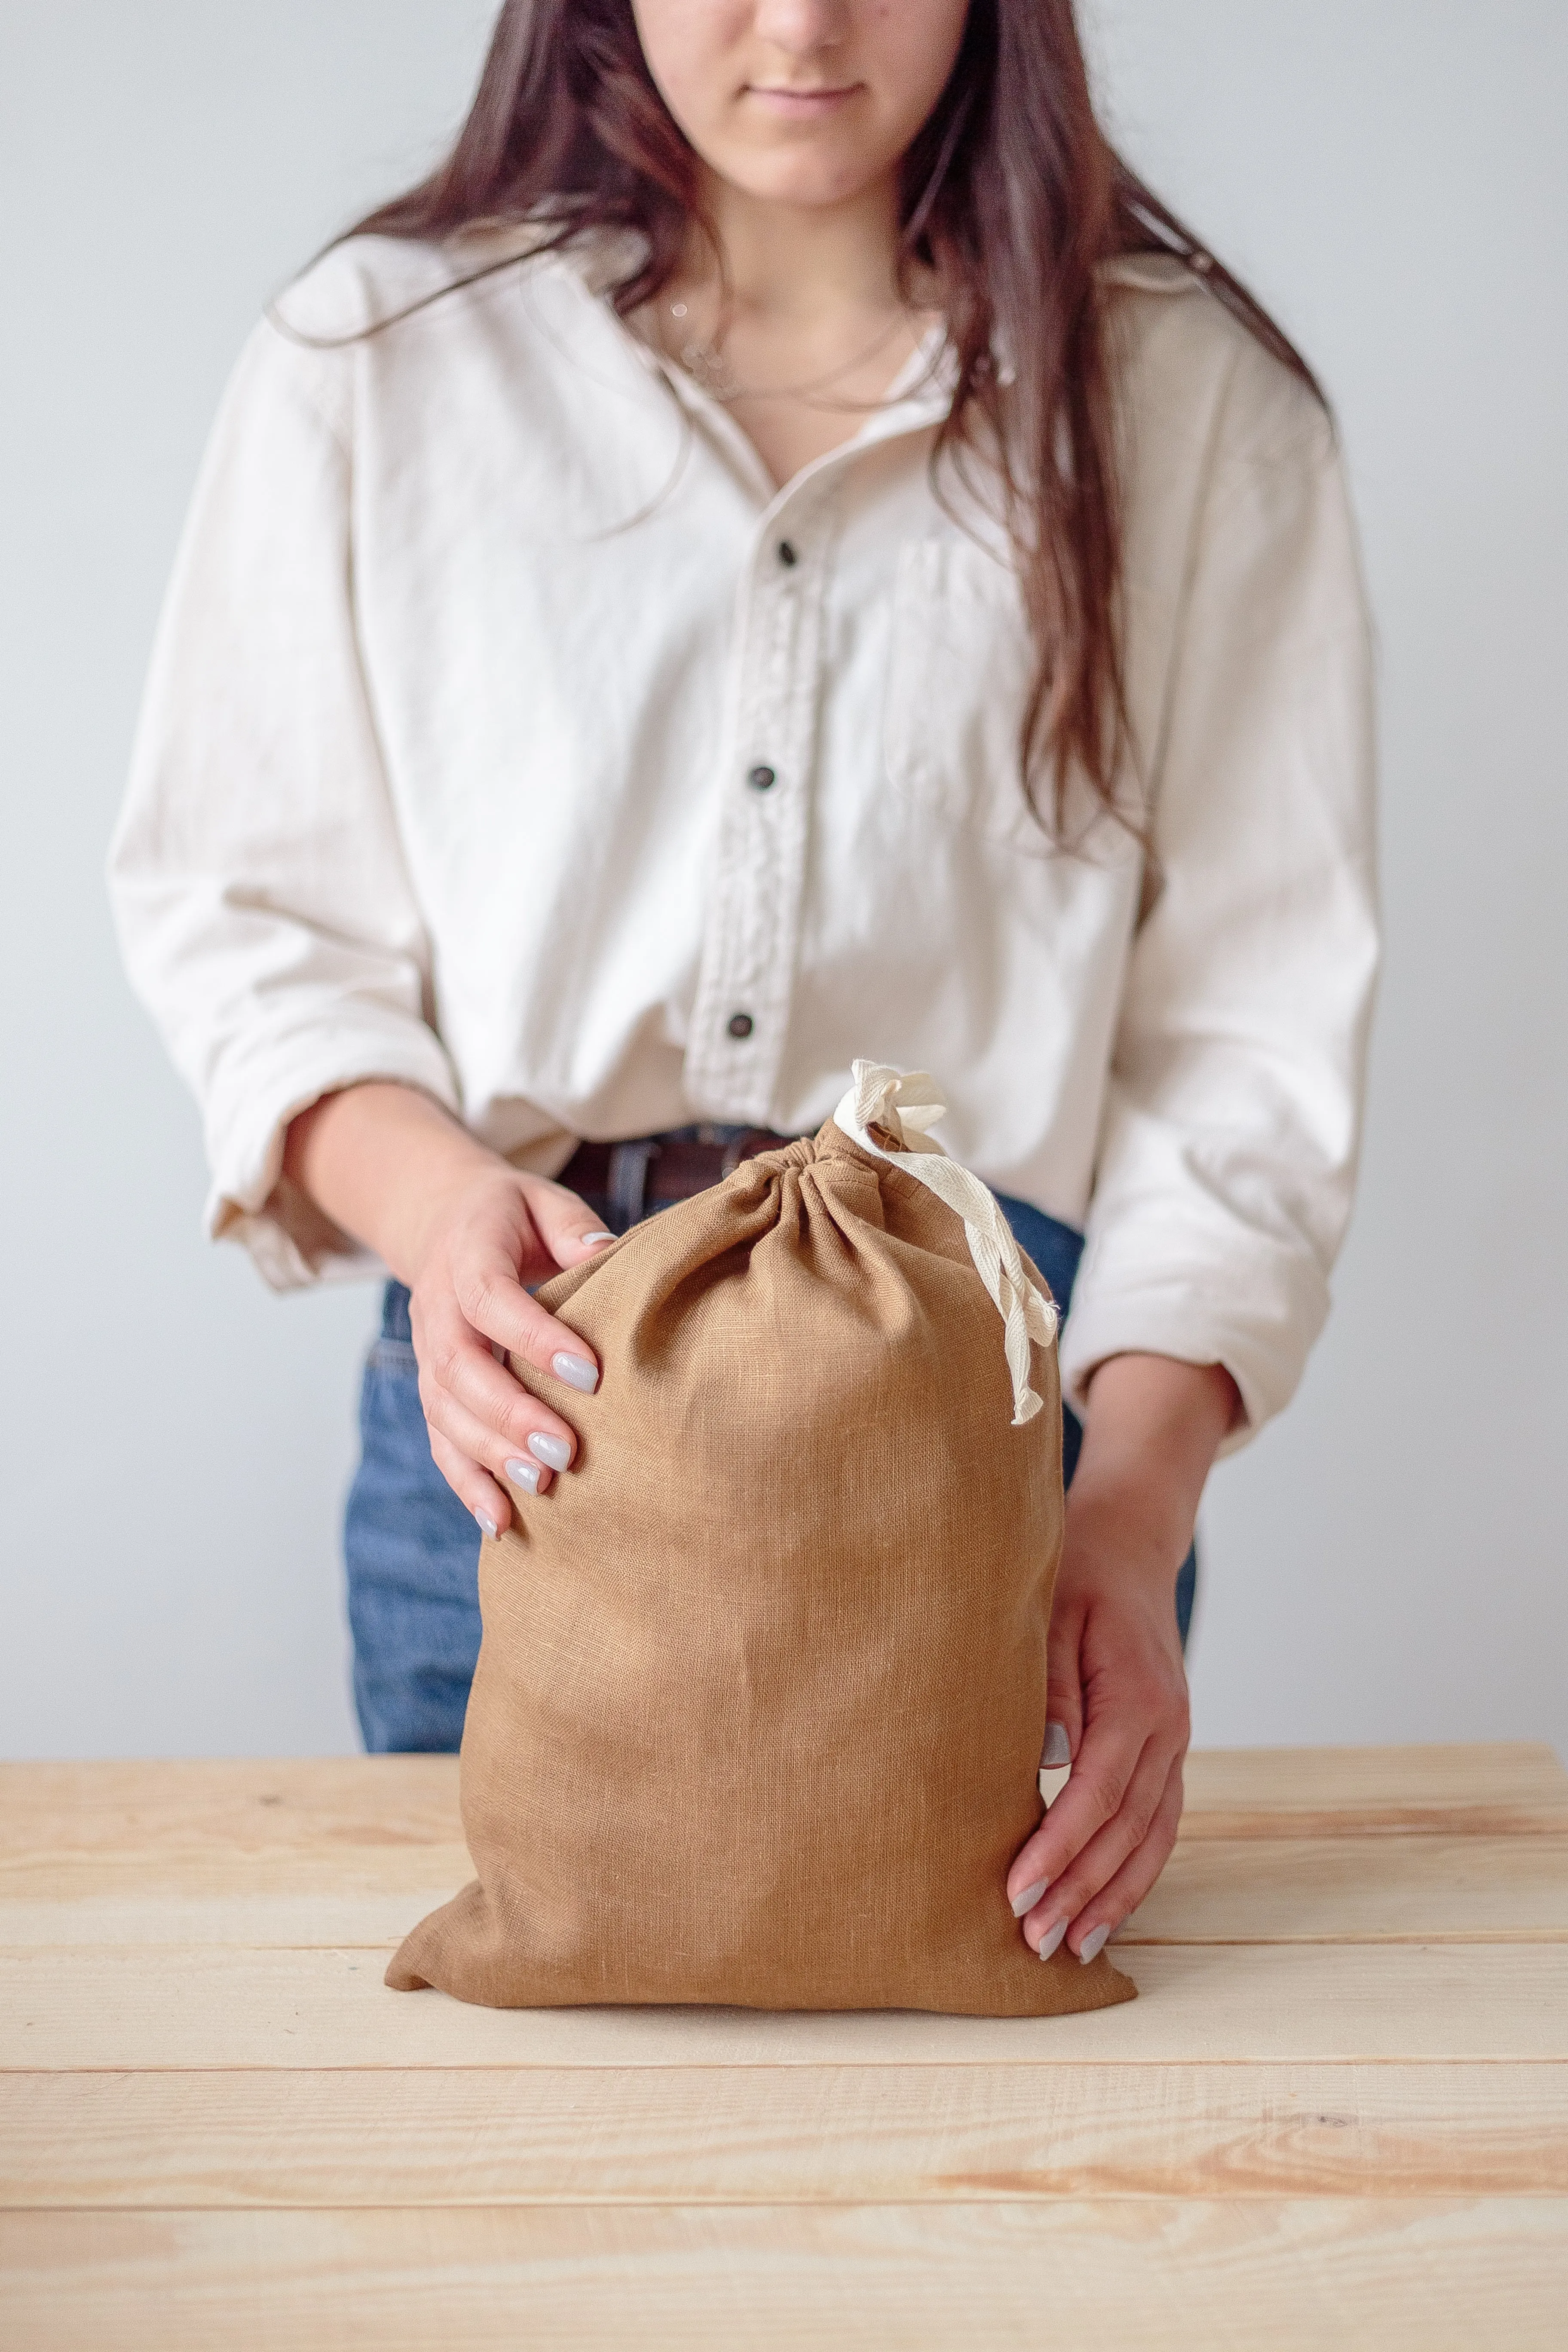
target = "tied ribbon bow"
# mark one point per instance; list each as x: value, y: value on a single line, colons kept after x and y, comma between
x: 904, y: 1105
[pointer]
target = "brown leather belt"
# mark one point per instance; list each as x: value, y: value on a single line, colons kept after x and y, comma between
x: 651, y: 1171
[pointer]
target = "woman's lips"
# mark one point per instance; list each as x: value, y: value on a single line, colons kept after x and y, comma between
x: 801, y: 105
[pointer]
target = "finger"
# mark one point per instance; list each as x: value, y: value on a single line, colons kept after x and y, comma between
x: 1106, y: 1762
x: 477, y: 1492
x: 1120, y: 1896
x: 494, y: 1302
x: 1064, y: 1686
x: 565, y: 1224
x: 525, y: 1473
x: 463, y: 1374
x: 1056, y: 1756
x: 1096, y: 1864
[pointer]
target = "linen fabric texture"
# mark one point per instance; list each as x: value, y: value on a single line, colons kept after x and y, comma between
x: 761, y: 1696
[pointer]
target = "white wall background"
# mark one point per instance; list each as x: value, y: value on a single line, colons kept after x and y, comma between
x: 1385, y: 1562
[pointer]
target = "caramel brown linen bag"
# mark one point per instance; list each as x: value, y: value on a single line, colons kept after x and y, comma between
x: 759, y: 1707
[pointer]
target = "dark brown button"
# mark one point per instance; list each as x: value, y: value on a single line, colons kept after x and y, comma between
x: 741, y: 1025
x: 762, y: 779
x: 786, y: 554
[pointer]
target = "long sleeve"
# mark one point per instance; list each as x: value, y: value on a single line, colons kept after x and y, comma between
x: 263, y: 907
x: 1227, y: 1150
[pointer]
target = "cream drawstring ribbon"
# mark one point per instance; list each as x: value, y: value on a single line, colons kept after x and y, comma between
x: 905, y: 1104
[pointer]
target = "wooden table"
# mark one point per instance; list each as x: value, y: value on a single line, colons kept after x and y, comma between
x: 1338, y: 2114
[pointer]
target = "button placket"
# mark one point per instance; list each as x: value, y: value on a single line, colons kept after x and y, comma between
x: 742, y: 1008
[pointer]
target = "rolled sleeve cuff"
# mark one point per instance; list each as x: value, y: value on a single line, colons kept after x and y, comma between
x: 292, y: 1242
x: 1259, y: 1321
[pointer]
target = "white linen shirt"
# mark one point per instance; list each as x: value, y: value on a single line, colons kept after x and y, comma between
x: 511, y: 735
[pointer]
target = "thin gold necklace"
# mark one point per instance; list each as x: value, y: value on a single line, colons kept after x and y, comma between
x: 707, y: 365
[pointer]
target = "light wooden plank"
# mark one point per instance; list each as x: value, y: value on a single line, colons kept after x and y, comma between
x: 1258, y: 1890
x: 1351, y: 1780
x: 364, y: 1826
x: 357, y: 1877
x: 1390, y: 1889
x: 261, y: 1809
x: 762, y: 2134
x: 203, y: 2007
x: 330, y: 1917
x: 1373, y: 2276
x: 1484, y: 1791
x: 264, y: 1808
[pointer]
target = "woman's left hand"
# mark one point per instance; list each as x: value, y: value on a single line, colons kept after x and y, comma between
x: 1117, y: 1697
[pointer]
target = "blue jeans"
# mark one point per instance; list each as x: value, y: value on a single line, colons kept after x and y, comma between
x: 412, y: 1549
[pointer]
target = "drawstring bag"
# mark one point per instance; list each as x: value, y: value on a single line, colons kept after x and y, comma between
x: 760, y: 1703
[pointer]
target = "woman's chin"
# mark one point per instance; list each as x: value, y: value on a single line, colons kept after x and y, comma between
x: 809, y: 168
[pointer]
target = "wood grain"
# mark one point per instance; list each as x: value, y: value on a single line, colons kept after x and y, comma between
x: 1339, y: 2114
x: 1357, y: 1889
x: 140, y: 1821
x: 1363, y: 2275
x: 238, y: 1815
x: 830, y: 2134
x: 1484, y: 1791
x: 1349, y: 1780
x: 294, y: 1917
x: 1260, y: 1890
x: 197, y: 2006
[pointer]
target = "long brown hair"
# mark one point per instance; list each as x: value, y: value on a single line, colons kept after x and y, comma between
x: 1012, y: 196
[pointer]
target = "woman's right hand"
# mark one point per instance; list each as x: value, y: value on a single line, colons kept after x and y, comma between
x: 468, y: 1233
x: 468, y: 1298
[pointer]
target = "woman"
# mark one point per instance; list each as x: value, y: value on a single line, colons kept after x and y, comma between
x: 780, y: 549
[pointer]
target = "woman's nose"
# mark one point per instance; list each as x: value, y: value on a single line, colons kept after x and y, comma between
x: 801, y: 29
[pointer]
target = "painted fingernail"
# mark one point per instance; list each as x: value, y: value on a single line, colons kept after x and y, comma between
x: 596, y: 1240
x: 554, y: 1452
x: 524, y: 1474
x: 487, y: 1525
x: 578, y: 1373
x: 1030, y: 1897
x: 1093, y: 1944
x: 1051, y: 1942
x: 1055, y: 1752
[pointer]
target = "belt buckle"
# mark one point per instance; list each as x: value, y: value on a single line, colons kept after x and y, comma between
x: 628, y: 1179
x: 744, y: 1146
